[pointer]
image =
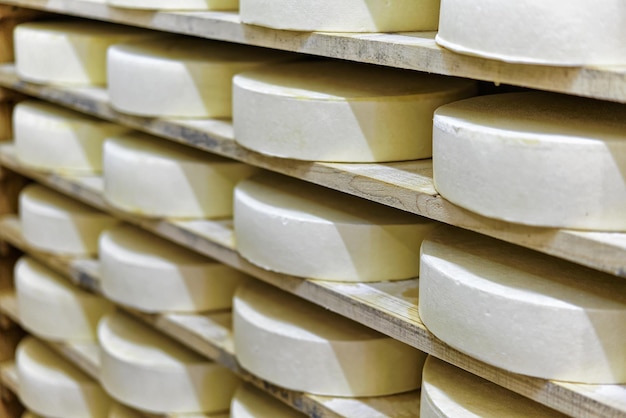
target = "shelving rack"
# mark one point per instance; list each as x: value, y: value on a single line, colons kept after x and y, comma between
x: 387, y: 307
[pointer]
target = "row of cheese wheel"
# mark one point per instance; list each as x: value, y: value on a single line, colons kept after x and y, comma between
x: 523, y: 295
x: 529, y: 31
x: 532, y: 158
x: 277, y: 337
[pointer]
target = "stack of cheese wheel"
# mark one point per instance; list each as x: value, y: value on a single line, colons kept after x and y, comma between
x: 300, y: 346
x: 250, y: 402
x: 54, y: 388
x: 448, y: 391
x: 153, y: 177
x: 340, y: 111
x: 538, y: 32
x: 56, y: 223
x: 535, y: 158
x: 148, y: 273
x: 342, y: 15
x: 522, y: 311
x: 298, y: 228
x: 175, y: 5
x: 68, y: 51
x: 146, y: 370
x: 50, y: 137
x: 194, y: 75
x: 52, y: 308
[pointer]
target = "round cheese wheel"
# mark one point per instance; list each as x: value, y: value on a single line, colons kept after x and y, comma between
x: 450, y: 392
x: 52, y: 387
x: 194, y: 75
x: 305, y: 230
x: 300, y: 346
x: 120, y: 411
x: 151, y: 274
x: 50, y: 137
x: 152, y: 177
x: 177, y: 5
x: 53, y: 308
x: 522, y: 311
x: 144, y: 369
x: 568, y: 33
x: 342, y: 15
x: 250, y: 402
x: 340, y: 111
x: 29, y: 414
x: 534, y: 158
x: 56, y: 223
x: 68, y: 51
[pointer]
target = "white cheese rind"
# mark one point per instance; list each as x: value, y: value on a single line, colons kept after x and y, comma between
x: 194, y: 76
x: 300, y: 346
x: 48, y: 137
x: 148, y: 273
x: 250, y: 402
x: 146, y: 370
x: 305, y: 230
x: 522, y: 311
x: 342, y: 15
x: 566, y: 33
x: 68, y: 52
x: 178, y: 5
x: 54, y: 309
x: 58, y: 224
x: 52, y: 387
x: 152, y: 177
x: 534, y: 158
x: 450, y: 392
x: 342, y: 112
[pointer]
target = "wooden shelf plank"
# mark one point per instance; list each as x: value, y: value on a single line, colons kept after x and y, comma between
x: 390, y: 305
x: 407, y: 186
x: 415, y: 50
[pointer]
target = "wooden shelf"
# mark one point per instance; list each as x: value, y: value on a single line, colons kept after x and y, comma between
x: 390, y: 306
x: 415, y: 50
x: 407, y: 186
x: 210, y: 334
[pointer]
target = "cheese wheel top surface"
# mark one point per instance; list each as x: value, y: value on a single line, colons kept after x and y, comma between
x: 46, y: 364
x: 137, y: 343
x: 250, y: 402
x: 336, y: 80
x: 313, y: 203
x: 81, y: 28
x: 50, y: 203
x: 448, y: 391
x: 538, y: 113
x: 280, y: 312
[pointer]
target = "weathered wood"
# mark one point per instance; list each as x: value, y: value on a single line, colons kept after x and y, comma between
x: 10, y: 406
x: 415, y: 51
x: 389, y: 307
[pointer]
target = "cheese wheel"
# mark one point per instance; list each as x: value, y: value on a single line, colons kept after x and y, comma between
x: 448, y: 391
x: 51, y: 386
x: 305, y: 230
x: 567, y: 33
x: 177, y: 5
x: 522, y: 311
x: 534, y: 158
x: 144, y: 369
x: 68, y: 51
x: 53, y: 308
x: 300, y: 346
x: 121, y: 411
x: 250, y: 402
x: 49, y: 137
x: 29, y: 414
x: 151, y: 274
x: 342, y: 15
x: 194, y: 75
x: 56, y: 223
x: 152, y: 177
x: 340, y: 111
